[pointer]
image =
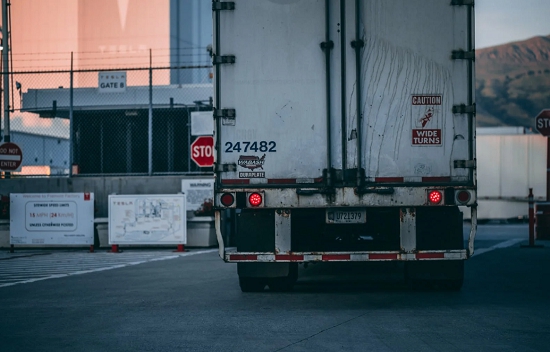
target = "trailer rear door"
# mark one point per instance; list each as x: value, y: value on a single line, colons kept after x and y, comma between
x: 379, y: 91
x: 416, y: 67
x: 277, y: 88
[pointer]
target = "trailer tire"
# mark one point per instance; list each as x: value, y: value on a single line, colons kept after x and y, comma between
x: 252, y: 284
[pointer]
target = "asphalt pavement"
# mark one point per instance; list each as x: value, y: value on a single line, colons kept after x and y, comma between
x: 193, y: 303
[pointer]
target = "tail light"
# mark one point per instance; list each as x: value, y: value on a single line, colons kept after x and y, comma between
x: 462, y: 197
x: 255, y: 199
x: 227, y: 199
x: 435, y: 197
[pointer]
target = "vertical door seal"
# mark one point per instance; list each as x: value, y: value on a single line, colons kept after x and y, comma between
x: 327, y: 46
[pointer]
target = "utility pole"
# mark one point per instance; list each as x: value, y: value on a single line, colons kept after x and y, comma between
x: 6, y: 69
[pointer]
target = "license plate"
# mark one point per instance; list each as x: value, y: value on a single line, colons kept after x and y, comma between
x: 350, y: 216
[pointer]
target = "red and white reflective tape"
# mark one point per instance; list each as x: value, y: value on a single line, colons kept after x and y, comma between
x: 289, y: 181
x: 274, y: 181
x: 345, y: 257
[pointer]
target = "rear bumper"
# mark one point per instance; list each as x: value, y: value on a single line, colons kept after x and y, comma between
x: 304, y: 257
x: 409, y: 250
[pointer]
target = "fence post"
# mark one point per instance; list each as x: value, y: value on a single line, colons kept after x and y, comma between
x: 188, y: 139
x: 6, y: 73
x: 71, y: 122
x: 531, y: 218
x: 531, y: 222
x: 150, y: 124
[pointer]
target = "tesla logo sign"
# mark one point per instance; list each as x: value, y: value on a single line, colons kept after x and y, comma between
x: 112, y: 82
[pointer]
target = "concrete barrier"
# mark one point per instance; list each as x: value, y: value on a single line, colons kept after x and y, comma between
x: 101, y: 187
x: 200, y: 233
x: 102, y: 231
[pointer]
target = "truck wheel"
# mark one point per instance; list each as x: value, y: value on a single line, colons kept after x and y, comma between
x: 285, y: 283
x: 252, y: 284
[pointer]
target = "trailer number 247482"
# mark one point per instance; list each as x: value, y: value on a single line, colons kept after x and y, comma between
x: 247, y: 146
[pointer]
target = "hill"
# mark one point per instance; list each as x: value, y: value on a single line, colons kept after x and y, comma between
x: 513, y: 82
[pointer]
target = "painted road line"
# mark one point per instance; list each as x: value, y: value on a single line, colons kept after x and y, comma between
x: 55, y: 275
x: 504, y: 244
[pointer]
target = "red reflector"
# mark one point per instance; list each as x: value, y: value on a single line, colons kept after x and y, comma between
x: 281, y: 181
x: 389, y: 179
x: 243, y: 257
x: 382, y: 256
x: 236, y: 182
x: 430, y: 255
x: 227, y: 199
x: 463, y: 196
x: 255, y: 199
x: 435, y: 197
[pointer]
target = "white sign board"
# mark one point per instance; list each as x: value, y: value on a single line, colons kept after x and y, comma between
x: 52, y: 218
x: 147, y: 219
x: 197, y: 191
x: 202, y: 123
x: 112, y: 82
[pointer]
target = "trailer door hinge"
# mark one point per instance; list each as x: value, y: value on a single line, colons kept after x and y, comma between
x: 462, y: 2
x: 463, y: 55
x: 357, y: 44
x: 327, y: 45
x: 226, y: 167
x: 464, y: 109
x: 223, y: 59
x: 220, y: 6
x: 227, y: 115
x: 465, y: 164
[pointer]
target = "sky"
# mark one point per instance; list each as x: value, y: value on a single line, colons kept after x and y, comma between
x: 45, y: 32
x: 504, y: 21
x: 497, y: 22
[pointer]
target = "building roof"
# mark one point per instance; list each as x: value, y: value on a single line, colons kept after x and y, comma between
x: 56, y: 102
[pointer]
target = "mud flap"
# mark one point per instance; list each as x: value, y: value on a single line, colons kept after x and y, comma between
x: 266, y: 270
x: 280, y: 277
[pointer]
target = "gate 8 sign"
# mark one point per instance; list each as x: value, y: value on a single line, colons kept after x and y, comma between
x: 202, y: 151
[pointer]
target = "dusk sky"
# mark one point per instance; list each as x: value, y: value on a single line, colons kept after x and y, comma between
x: 106, y: 33
x: 49, y: 27
x: 504, y: 21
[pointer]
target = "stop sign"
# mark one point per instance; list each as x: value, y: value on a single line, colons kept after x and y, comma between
x: 11, y: 156
x: 202, y: 151
x: 543, y: 122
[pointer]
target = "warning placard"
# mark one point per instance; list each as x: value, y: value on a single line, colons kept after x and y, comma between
x: 426, y: 120
x: 426, y: 137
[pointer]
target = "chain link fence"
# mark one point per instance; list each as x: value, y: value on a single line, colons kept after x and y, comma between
x: 132, y: 121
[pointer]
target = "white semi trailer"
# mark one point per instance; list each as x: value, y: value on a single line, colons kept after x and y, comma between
x: 344, y: 131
